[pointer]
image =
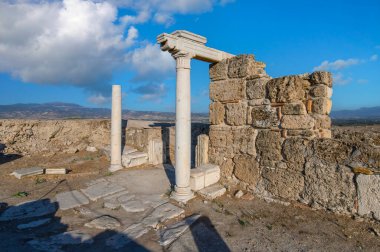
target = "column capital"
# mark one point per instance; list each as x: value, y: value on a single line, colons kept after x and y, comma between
x: 182, y: 59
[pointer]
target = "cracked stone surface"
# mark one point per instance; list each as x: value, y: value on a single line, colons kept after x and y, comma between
x: 172, y: 232
x: 102, y: 189
x: 55, y: 242
x: 67, y: 200
x: 161, y: 214
x: 134, y: 206
x: 103, y: 222
x: 133, y: 232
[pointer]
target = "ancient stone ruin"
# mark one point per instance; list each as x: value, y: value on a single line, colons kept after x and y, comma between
x: 269, y: 136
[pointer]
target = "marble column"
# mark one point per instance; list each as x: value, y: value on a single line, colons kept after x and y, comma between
x: 183, y: 129
x: 116, y: 129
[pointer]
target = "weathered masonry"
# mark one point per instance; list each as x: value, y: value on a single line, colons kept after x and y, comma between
x: 273, y: 136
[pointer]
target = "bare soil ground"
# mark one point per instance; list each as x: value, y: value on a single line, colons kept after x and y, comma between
x: 228, y: 224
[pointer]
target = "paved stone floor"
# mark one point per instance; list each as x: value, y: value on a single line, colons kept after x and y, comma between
x: 117, y: 209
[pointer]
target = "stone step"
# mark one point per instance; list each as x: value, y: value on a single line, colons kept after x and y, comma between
x: 135, y: 158
x: 212, y: 192
x: 203, y: 176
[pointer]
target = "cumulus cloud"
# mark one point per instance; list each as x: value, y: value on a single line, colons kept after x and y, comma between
x: 82, y: 42
x: 70, y: 42
x: 336, y: 65
x: 151, y: 91
x: 150, y: 64
x: 99, y: 99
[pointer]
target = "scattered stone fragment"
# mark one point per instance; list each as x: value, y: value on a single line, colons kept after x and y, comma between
x: 67, y: 200
x: 71, y: 237
x: 162, y: 213
x: 101, y: 189
x: 172, y: 232
x: 29, y: 209
x: 91, y: 149
x: 20, y: 173
x: 34, y: 224
x: 239, y: 194
x: 133, y: 232
x: 103, y: 222
x: 154, y: 200
x: 212, y: 192
x: 55, y: 171
x: 96, y: 181
x: 114, y: 201
x: 133, y: 206
x: 87, y: 212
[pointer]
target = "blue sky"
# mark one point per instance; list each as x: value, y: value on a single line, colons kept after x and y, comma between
x: 73, y: 50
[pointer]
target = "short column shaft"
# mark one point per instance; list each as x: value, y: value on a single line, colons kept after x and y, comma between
x: 116, y: 129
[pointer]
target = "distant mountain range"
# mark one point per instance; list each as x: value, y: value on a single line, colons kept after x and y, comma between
x: 59, y: 110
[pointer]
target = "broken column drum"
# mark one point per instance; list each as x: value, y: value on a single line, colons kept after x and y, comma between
x: 184, y: 46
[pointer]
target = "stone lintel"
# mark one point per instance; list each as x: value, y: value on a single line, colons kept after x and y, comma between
x: 191, y: 43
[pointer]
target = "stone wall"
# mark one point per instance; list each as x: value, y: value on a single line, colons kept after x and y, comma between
x: 30, y: 137
x: 273, y: 137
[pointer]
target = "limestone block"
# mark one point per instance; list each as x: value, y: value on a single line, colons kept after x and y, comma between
x: 322, y: 106
x: 197, y: 179
x: 331, y: 151
x: 329, y: 186
x: 212, y: 173
x: 264, y: 116
x: 369, y: 195
x: 294, y: 152
x: 241, y: 66
x: 220, y: 137
x: 283, y: 183
x: 156, y: 154
x: 218, y: 71
x: 256, y: 88
x: 20, y: 173
x: 236, y: 113
x: 321, y: 91
x: 29, y: 209
x: 103, y: 222
x: 212, y: 192
x: 321, y: 77
x: 55, y: 171
x: 247, y: 169
x: 102, y: 189
x: 228, y: 90
x: 324, y: 133
x: 217, y: 112
x: 322, y: 121
x: 295, y: 108
x: 307, y: 133
x: 67, y: 200
x: 201, y: 150
x: 297, y: 122
x: 268, y: 145
x: 286, y: 89
x: 309, y: 105
x: 226, y: 165
x: 244, y: 140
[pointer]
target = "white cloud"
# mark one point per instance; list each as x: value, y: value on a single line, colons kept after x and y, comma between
x: 336, y: 65
x: 99, y: 99
x: 70, y: 42
x: 374, y: 57
x: 150, y: 63
x: 82, y: 42
x: 339, y: 79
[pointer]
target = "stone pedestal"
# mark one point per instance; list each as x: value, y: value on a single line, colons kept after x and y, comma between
x: 116, y: 129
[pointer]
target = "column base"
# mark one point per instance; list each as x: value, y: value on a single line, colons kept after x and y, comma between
x: 115, y: 167
x: 182, y: 194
